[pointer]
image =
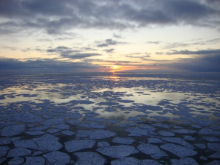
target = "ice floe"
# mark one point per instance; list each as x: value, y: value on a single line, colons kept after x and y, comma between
x: 184, y: 161
x: 95, y: 134
x: 68, y: 133
x: 46, y: 142
x: 34, y: 132
x: 103, y: 144
x: 201, y: 146
x: 119, y: 151
x: 89, y: 158
x: 178, y: 150
x: 166, y: 133
x: 13, y: 130
x: 152, y: 150
x: 154, y: 140
x: 214, y: 146
x: 76, y: 145
x: 126, y: 161
x: 4, y: 141
x: 34, y: 160
x: 208, y: 131
x: 216, y: 155
x: 57, y: 157
x: 15, y: 152
x: 190, y: 138
x: 211, y: 138
x: 16, y: 161
x: 178, y: 141
x: 3, y: 150
x: 184, y: 131
x: 123, y: 140
x: 92, y: 125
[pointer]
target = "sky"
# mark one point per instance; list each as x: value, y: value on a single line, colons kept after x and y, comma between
x: 59, y: 36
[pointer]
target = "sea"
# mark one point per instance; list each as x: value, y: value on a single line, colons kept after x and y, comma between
x: 110, y: 118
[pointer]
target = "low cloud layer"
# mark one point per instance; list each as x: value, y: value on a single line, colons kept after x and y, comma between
x: 198, y: 52
x: 45, y: 66
x: 208, y: 63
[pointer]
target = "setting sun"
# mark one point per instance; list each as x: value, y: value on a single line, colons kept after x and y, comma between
x: 115, y: 67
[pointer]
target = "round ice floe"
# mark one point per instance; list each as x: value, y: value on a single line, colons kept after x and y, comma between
x: 40, y: 128
x: 150, y: 162
x: 89, y: 158
x: 211, y: 138
x: 208, y: 131
x: 178, y: 150
x: 201, y: 146
x: 178, y: 141
x: 123, y: 140
x: 184, y: 131
x: 134, y: 119
x: 190, y: 138
x: 4, y: 141
x: 126, y: 161
x: 34, y: 160
x: 186, y: 161
x: 161, y: 125
x: 76, y: 145
x: 68, y: 133
x: 3, y: 150
x: 214, y: 146
x: 12, y: 130
x: 16, y: 160
x: 92, y: 125
x: 26, y: 117
x: 35, y: 133
x: 103, y: 144
x: 15, y: 152
x: 61, y: 126
x: 57, y: 157
x: 53, y: 130
x: 154, y: 140
x: 96, y: 134
x: 48, y: 142
x: 136, y: 131
x: 215, y: 162
x: 120, y: 151
x: 166, y: 133
x: 216, y: 155
x: 152, y: 150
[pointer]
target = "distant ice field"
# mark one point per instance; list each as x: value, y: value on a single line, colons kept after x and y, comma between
x: 110, y: 119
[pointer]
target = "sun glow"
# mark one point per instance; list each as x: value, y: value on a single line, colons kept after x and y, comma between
x: 114, y: 68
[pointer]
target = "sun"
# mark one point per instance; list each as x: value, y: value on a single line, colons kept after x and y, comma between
x: 114, y: 68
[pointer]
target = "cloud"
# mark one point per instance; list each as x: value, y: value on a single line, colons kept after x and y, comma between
x: 208, y: 63
x: 67, y: 52
x: 109, y: 50
x: 45, y: 66
x: 190, y: 43
x: 109, y: 42
x: 56, y: 17
x: 198, y: 52
x: 80, y: 55
x: 117, y: 36
x: 153, y: 42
